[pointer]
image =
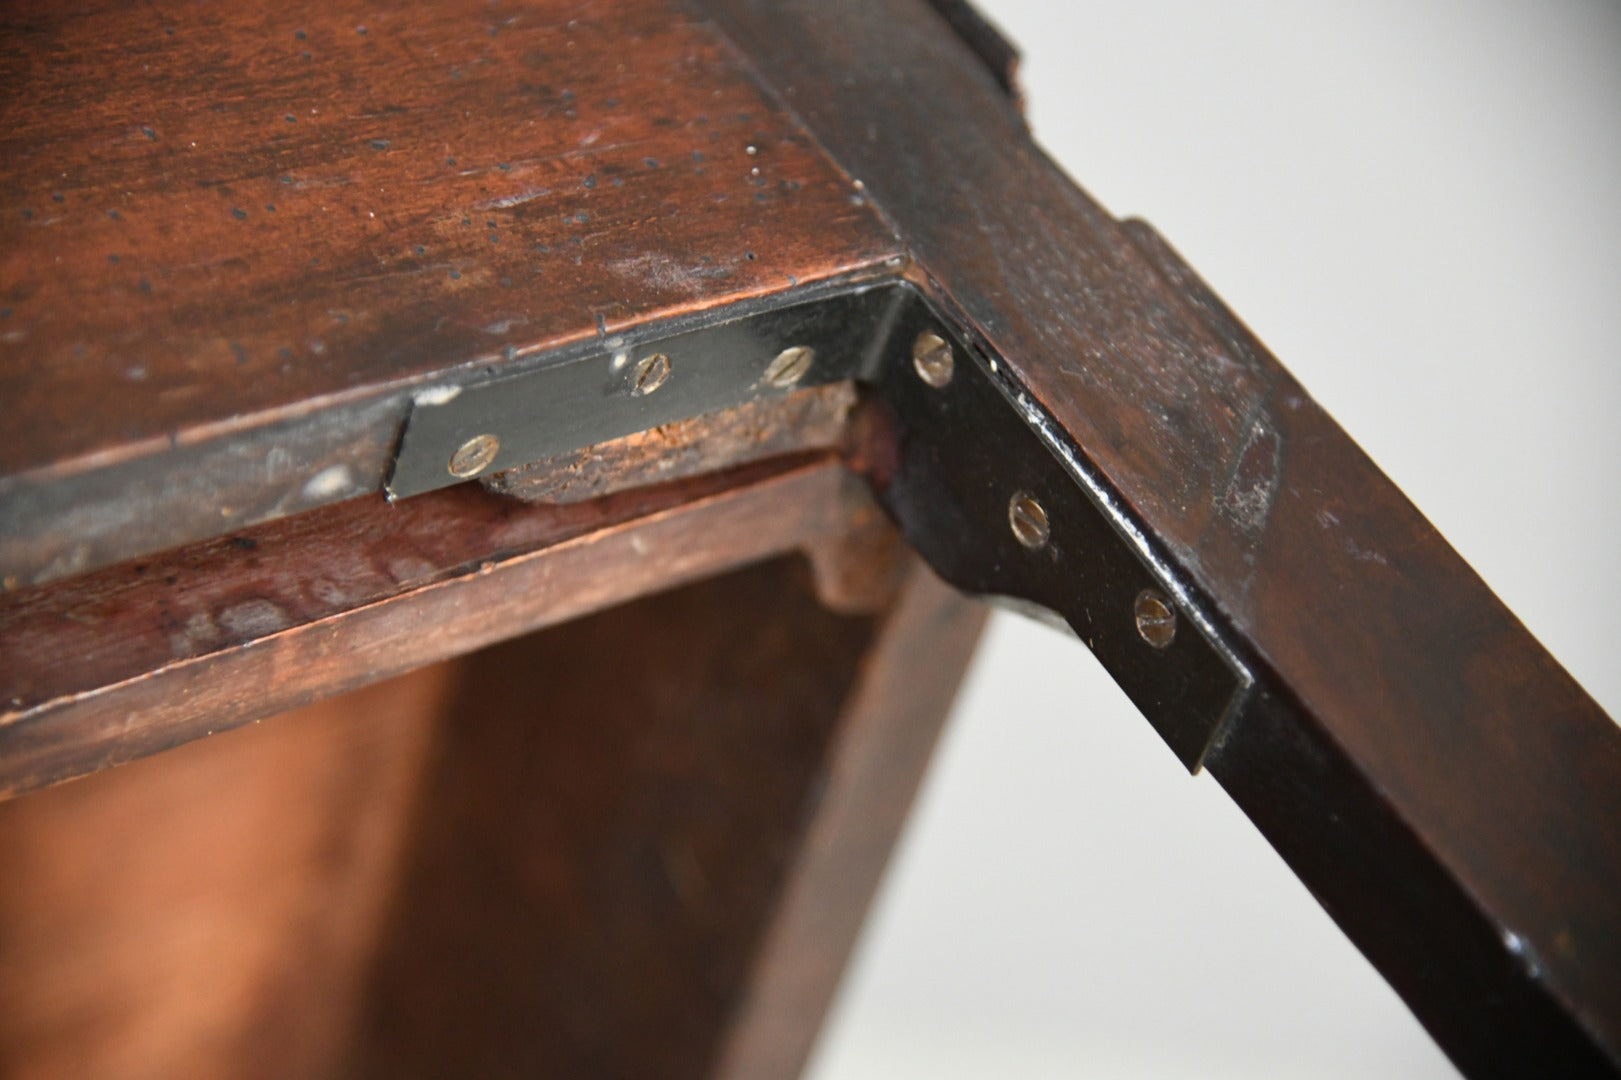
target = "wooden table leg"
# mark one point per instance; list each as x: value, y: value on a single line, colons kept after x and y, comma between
x: 651, y: 836
x: 874, y: 763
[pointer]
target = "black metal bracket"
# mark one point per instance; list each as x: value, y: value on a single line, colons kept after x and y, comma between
x: 984, y: 485
x: 615, y: 385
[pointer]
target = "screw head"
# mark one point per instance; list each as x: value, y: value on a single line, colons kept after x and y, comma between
x: 789, y: 366
x: 650, y: 373
x: 474, y: 456
x: 932, y: 359
x: 1156, y: 618
x: 1028, y: 520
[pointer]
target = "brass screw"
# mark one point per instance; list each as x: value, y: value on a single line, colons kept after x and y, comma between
x: 932, y: 358
x: 1156, y: 618
x: 651, y: 371
x: 789, y: 366
x: 474, y: 456
x: 1028, y: 520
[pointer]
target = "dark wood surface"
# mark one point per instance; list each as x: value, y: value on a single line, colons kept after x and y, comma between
x: 640, y: 850
x: 637, y: 844
x: 221, y: 283
x: 1446, y: 789
x: 232, y: 238
x: 140, y: 657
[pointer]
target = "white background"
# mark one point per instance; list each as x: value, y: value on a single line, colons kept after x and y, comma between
x: 1418, y: 207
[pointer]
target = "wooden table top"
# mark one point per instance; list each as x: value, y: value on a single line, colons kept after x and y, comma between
x: 231, y: 237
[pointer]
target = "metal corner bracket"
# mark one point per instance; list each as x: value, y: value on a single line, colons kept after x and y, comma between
x: 984, y: 484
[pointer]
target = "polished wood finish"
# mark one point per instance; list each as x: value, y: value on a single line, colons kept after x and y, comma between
x: 232, y: 239
x: 221, y: 284
x: 1447, y: 791
x: 223, y: 280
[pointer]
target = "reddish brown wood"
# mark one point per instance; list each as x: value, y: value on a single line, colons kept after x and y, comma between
x: 232, y: 237
x: 211, y: 912
x: 1444, y: 787
x: 182, y: 358
x: 131, y: 660
x: 665, y: 819
x: 623, y: 811
x: 874, y: 763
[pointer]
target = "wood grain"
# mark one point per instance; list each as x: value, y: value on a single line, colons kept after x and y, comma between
x: 231, y: 238
x: 605, y: 834
x: 875, y: 761
x: 636, y: 844
x: 211, y: 912
x: 115, y: 665
x: 222, y: 280
x: 1450, y: 794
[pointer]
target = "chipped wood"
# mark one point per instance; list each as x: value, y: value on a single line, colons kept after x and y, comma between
x: 813, y: 419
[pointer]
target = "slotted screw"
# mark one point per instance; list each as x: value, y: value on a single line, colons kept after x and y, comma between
x: 1156, y: 618
x: 474, y: 456
x: 1028, y: 520
x: 651, y: 371
x: 789, y: 366
x: 932, y: 359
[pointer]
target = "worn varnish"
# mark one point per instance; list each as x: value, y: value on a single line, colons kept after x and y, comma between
x: 222, y: 281
x: 1450, y: 794
x: 818, y: 418
x: 230, y: 237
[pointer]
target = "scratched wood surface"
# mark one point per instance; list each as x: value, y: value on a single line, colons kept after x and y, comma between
x: 230, y: 235
x: 204, y: 325
x: 818, y: 418
x: 1445, y: 788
